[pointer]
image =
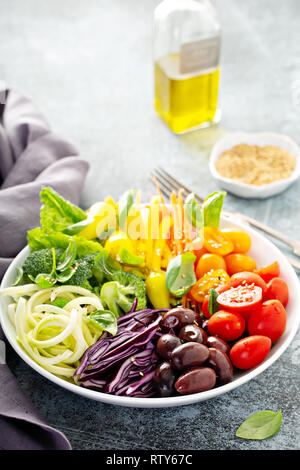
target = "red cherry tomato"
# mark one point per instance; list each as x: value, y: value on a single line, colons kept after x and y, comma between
x: 229, y: 326
x: 241, y: 298
x: 245, y: 277
x: 268, y: 272
x: 249, y: 352
x: 205, y: 311
x: 278, y: 289
x: 268, y: 320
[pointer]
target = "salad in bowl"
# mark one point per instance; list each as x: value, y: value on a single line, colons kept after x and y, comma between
x: 159, y: 302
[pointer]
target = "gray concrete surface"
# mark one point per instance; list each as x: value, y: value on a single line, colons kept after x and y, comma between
x: 88, y: 66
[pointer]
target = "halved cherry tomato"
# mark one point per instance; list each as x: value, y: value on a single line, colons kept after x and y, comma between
x: 209, y: 281
x: 249, y: 352
x: 217, y: 242
x: 208, y: 262
x: 268, y: 320
x: 241, y: 298
x: 238, y: 262
x: 240, y: 239
x: 278, y: 289
x: 229, y: 326
x: 246, y: 277
x: 269, y: 272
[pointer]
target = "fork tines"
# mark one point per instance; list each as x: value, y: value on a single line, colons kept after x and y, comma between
x: 168, y: 183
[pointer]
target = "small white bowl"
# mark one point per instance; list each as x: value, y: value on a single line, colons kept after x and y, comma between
x: 259, y: 138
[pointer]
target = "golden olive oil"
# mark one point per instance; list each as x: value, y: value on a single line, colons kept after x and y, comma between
x: 185, y: 101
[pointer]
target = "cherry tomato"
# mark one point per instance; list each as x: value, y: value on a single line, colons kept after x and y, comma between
x: 208, y: 262
x: 278, y: 289
x: 238, y: 262
x: 249, y: 352
x: 204, y: 308
x: 196, y: 246
x: 209, y: 281
x: 268, y: 272
x: 241, y: 298
x: 268, y: 320
x: 217, y: 242
x: 245, y: 277
x: 240, y: 239
x: 229, y: 326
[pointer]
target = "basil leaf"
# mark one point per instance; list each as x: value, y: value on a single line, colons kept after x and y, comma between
x: 105, y: 319
x: 180, y: 274
x: 127, y: 257
x: 44, y: 281
x: 66, y: 275
x: 19, y: 276
x: 212, y: 207
x: 125, y: 203
x: 260, y: 426
x: 78, y: 227
x: 61, y: 303
x: 213, y: 305
x: 193, y: 211
x: 68, y: 257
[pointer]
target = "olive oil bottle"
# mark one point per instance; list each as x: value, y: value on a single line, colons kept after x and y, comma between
x: 186, y: 64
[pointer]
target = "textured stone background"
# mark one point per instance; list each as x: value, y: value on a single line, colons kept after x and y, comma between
x: 88, y: 66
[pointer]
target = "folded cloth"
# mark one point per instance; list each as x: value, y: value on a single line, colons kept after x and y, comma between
x: 31, y: 156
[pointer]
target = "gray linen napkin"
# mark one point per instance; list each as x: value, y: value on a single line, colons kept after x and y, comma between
x: 31, y: 156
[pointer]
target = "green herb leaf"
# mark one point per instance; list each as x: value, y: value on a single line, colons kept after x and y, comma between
x: 44, y: 281
x: 77, y: 228
x: 104, y: 319
x: 180, y: 274
x: 260, y: 426
x: 212, y: 207
x: 125, y: 203
x: 59, y: 302
x: 19, y: 276
x: 68, y: 257
x: 194, y: 212
x: 66, y: 275
x: 213, y: 305
x: 127, y: 257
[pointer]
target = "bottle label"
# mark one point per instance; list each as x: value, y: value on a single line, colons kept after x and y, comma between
x: 200, y: 55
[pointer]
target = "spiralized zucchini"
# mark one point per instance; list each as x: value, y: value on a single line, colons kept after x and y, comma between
x: 54, y: 337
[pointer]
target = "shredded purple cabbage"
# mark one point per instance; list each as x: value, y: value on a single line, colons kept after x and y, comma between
x: 124, y: 364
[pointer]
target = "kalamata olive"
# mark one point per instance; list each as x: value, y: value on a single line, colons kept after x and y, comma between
x: 179, y: 317
x: 188, y: 355
x: 205, y: 326
x: 197, y: 379
x: 166, y: 344
x: 193, y: 333
x: 165, y: 378
x: 221, y: 364
x: 218, y: 343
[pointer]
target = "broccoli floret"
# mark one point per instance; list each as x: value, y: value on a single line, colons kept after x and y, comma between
x: 118, y: 295
x: 40, y: 262
x: 84, y: 271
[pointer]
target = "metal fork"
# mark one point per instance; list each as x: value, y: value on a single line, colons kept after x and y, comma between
x: 168, y: 183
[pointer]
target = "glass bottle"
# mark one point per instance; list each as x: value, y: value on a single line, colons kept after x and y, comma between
x: 186, y: 47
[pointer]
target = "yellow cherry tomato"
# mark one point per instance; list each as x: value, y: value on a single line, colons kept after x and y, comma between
x: 239, y: 262
x: 210, y: 280
x: 157, y: 290
x: 208, y: 262
x: 116, y: 242
x: 240, y: 239
x: 217, y: 242
x: 103, y: 216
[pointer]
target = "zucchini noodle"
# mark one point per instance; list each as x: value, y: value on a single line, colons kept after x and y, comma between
x: 54, y: 337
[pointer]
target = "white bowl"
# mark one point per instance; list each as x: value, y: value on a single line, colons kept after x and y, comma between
x: 260, y: 138
x: 263, y: 251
